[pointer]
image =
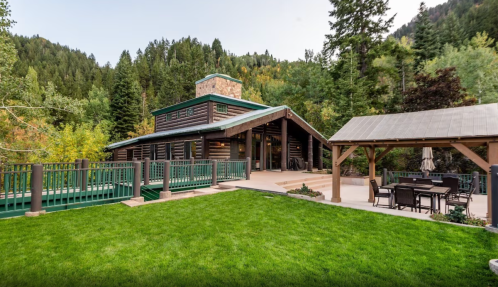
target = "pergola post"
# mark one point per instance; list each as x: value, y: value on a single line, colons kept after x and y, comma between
x: 492, y: 159
x: 336, y: 174
x: 371, y: 172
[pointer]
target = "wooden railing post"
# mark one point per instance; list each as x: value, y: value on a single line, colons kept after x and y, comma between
x: 147, y: 171
x: 77, y: 166
x: 36, y: 190
x: 166, y: 193
x: 384, y: 176
x: 215, y: 173
x: 192, y: 165
x: 137, y: 166
x: 478, y: 182
x: 248, y: 168
x: 85, y: 163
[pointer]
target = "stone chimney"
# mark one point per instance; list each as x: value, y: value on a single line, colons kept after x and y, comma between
x: 219, y: 84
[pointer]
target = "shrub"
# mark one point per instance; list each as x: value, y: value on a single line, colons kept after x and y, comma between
x: 456, y: 215
x: 305, y: 191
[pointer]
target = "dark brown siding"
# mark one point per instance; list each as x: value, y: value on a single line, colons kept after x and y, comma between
x: 232, y: 112
x: 216, y: 151
x: 294, y: 151
x: 200, y: 117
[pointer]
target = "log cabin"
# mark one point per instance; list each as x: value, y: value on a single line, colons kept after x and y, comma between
x: 218, y: 124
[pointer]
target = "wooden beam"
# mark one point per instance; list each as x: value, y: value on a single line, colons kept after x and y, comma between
x: 346, y: 154
x: 386, y: 151
x: 472, y: 156
x: 254, y: 123
x: 336, y: 175
x: 367, y: 153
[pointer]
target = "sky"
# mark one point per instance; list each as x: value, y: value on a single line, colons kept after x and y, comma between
x: 107, y: 27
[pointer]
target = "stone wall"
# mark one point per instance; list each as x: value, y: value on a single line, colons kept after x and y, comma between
x: 218, y: 85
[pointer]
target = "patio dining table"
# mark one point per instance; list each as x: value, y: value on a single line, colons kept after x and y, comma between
x: 437, y: 191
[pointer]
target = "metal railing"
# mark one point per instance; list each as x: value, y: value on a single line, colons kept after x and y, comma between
x: 464, y: 179
x: 56, y: 186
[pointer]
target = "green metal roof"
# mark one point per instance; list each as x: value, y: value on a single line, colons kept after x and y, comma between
x: 211, y: 97
x: 217, y: 126
x: 226, y: 77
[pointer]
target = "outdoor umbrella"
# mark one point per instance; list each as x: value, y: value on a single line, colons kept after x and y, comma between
x: 427, y: 164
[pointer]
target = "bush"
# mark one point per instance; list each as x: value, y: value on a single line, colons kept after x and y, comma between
x: 305, y: 191
x: 456, y: 215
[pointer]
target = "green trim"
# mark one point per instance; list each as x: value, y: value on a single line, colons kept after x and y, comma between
x: 214, y: 98
x: 226, y: 77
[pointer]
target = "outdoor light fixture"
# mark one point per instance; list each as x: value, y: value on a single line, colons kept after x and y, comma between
x: 222, y: 144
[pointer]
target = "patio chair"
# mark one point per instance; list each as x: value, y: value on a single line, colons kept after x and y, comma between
x: 405, y: 196
x: 465, y: 203
x: 465, y: 192
x: 426, y: 181
x: 405, y: 180
x: 453, y: 184
x: 377, y: 193
x: 454, y: 175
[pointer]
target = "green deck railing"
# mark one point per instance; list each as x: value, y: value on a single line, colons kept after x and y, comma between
x: 464, y: 179
x: 83, y: 183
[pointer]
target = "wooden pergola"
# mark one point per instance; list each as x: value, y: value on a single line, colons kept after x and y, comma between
x: 460, y: 128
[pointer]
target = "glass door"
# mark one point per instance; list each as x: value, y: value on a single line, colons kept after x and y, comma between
x: 273, y: 152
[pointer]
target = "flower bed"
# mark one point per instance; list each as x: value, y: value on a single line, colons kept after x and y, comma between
x: 457, y: 216
x: 305, y: 191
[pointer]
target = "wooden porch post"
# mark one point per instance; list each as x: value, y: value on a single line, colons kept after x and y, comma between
x: 249, y: 143
x: 371, y: 172
x: 284, y: 145
x: 320, y: 156
x: 310, y: 153
x: 336, y: 174
x: 264, y: 149
x: 205, y: 148
x: 492, y: 159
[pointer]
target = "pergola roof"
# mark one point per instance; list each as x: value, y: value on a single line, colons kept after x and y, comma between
x: 451, y: 123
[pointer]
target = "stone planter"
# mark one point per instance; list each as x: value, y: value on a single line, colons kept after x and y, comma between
x: 359, y: 180
x: 305, y: 197
x: 493, y: 265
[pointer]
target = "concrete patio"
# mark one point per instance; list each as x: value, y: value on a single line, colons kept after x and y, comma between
x: 352, y: 196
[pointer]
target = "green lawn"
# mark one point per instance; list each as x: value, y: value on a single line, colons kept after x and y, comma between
x: 240, y: 238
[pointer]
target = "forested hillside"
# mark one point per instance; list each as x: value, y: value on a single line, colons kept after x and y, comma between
x: 75, y: 106
x: 468, y: 16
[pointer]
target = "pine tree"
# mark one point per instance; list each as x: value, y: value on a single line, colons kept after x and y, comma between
x: 218, y: 50
x: 358, y: 24
x: 426, y: 44
x: 452, y: 32
x: 126, y: 98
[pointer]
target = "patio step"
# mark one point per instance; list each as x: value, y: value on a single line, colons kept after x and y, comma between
x: 304, y: 180
x: 318, y: 183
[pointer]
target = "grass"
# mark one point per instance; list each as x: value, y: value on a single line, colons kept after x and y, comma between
x: 240, y: 238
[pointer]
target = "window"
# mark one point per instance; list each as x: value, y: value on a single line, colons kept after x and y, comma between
x: 189, y: 150
x: 169, y: 117
x: 189, y: 112
x: 177, y: 114
x: 220, y: 108
x: 168, y: 151
x: 153, y: 152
